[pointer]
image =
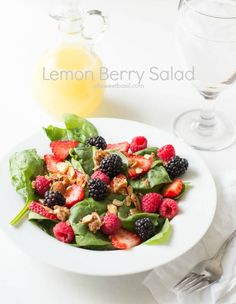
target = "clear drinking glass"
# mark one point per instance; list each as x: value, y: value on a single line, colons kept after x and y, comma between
x: 206, y: 35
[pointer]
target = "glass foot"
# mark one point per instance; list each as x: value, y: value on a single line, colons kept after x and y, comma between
x: 211, y: 134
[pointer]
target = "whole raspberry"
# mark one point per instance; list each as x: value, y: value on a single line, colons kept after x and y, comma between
x: 42, y: 184
x: 102, y: 176
x: 166, y: 152
x: 111, y: 224
x: 138, y: 143
x: 63, y: 232
x: 151, y: 202
x: 169, y: 208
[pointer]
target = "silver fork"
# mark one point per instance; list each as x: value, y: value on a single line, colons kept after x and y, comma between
x: 206, y: 272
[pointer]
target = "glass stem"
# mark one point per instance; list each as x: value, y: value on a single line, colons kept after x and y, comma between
x: 207, y: 119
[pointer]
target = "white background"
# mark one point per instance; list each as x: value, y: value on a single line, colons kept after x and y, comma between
x: 141, y: 34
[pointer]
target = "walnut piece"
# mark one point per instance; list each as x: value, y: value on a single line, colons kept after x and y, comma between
x: 117, y: 203
x: 93, y: 220
x: 62, y: 167
x: 99, y: 155
x: 133, y: 211
x: 119, y: 184
x: 62, y: 213
x: 59, y: 186
x: 112, y: 209
x: 135, y: 201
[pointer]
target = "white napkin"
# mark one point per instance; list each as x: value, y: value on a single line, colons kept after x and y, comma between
x: 161, y: 280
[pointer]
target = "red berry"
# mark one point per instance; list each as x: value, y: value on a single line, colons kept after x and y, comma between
x: 111, y: 224
x: 174, y: 189
x: 73, y: 195
x: 63, y: 232
x: 40, y: 209
x: 122, y: 147
x: 169, y: 208
x: 166, y: 152
x: 151, y: 202
x: 138, y: 165
x: 42, y: 184
x: 102, y: 176
x: 61, y: 148
x: 51, y: 163
x: 124, y: 239
x: 138, y: 143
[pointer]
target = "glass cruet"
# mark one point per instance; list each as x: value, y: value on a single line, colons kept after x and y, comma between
x: 67, y: 77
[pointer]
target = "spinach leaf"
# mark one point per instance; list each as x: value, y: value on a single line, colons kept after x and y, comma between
x: 87, y: 239
x: 157, y: 162
x: 162, y: 237
x: 42, y: 222
x: 110, y: 197
x: 147, y: 151
x: 128, y: 221
x: 79, y: 128
x: 55, y: 133
x: 85, y: 207
x: 77, y: 165
x: 24, y: 167
x: 152, y: 181
x: 85, y: 155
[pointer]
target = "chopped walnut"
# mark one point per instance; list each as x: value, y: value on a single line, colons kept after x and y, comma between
x: 67, y: 181
x: 93, y: 220
x: 128, y: 201
x: 138, y: 170
x: 59, y: 186
x: 117, y: 203
x: 135, y: 201
x: 87, y: 219
x: 81, y: 180
x: 100, y: 154
x: 71, y: 172
x: 112, y: 208
x: 133, y: 211
x: 62, y: 167
x: 130, y: 190
x: 146, y: 182
x: 62, y: 213
x: 119, y: 184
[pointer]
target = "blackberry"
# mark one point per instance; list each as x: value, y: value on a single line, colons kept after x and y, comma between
x: 145, y: 228
x: 111, y: 165
x: 97, y: 141
x: 97, y: 189
x: 176, y: 166
x: 52, y: 198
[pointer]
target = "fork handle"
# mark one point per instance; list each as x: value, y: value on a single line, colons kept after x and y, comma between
x: 220, y: 253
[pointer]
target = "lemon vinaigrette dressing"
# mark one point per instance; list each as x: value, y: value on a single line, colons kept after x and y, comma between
x: 67, y: 79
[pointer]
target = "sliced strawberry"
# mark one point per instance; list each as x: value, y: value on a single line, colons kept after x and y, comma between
x: 122, y: 147
x: 138, y: 165
x: 51, y: 163
x: 174, y: 189
x: 40, y: 209
x: 61, y: 148
x: 125, y: 239
x: 73, y: 195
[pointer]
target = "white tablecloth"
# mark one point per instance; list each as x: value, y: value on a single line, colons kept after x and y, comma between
x: 141, y: 35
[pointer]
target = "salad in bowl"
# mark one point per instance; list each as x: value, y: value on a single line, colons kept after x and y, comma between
x: 98, y: 195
